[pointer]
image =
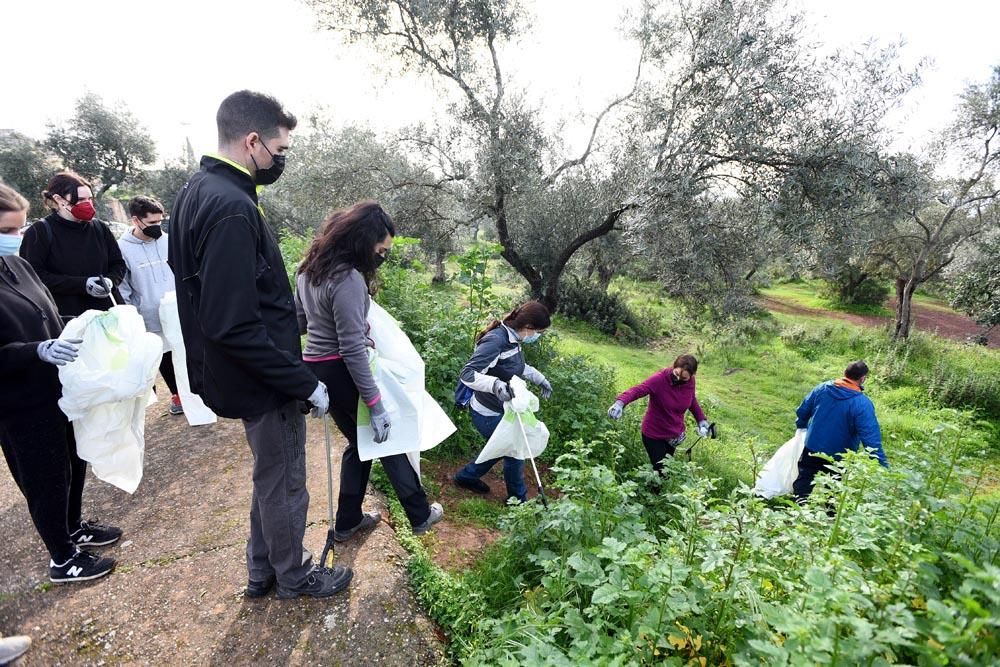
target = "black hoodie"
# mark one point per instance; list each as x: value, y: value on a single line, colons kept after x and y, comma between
x: 65, y: 254
x: 27, y: 317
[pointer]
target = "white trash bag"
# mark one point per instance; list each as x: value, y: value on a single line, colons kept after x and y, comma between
x: 195, y: 410
x: 519, y: 434
x: 106, y: 391
x: 418, y: 422
x: 779, y: 473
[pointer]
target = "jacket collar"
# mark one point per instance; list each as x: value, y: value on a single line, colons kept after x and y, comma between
x: 848, y: 383
x: 235, y: 172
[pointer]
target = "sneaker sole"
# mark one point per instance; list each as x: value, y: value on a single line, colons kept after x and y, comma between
x: 97, y: 544
x: 90, y: 578
x: 348, y: 534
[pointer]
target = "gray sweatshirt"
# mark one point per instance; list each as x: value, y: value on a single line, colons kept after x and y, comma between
x: 148, y: 277
x: 334, y: 315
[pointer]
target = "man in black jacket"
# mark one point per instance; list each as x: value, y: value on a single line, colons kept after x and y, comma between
x: 241, y: 334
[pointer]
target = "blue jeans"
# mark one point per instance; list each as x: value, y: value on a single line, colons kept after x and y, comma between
x: 513, y: 469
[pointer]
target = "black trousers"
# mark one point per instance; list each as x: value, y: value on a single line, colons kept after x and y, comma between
x: 658, y: 450
x: 809, y: 467
x: 354, y: 472
x: 167, y: 371
x: 41, y: 453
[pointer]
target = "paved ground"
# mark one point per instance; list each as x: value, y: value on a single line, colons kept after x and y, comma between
x: 176, y: 596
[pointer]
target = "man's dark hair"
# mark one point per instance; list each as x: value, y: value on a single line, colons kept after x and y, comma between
x: 140, y: 207
x: 856, y: 370
x: 245, y: 111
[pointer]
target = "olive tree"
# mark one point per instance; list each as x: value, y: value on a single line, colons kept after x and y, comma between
x: 109, y: 145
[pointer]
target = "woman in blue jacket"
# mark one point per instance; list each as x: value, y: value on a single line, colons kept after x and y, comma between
x: 496, y: 359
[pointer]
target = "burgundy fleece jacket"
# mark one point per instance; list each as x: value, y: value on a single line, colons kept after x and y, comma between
x: 668, y: 402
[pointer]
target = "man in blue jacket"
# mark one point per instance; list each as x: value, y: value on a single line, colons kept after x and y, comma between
x: 837, y: 417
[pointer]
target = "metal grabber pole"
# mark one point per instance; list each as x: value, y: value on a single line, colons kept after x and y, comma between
x: 538, y: 479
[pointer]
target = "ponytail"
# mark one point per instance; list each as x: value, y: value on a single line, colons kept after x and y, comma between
x: 531, y: 314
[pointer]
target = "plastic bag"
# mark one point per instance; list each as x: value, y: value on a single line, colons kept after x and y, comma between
x: 779, y: 473
x: 418, y: 422
x: 519, y: 434
x: 106, y: 391
x: 195, y: 410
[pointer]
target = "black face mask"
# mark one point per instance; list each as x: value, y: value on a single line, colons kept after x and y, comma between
x: 153, y: 231
x: 379, y: 260
x: 272, y: 173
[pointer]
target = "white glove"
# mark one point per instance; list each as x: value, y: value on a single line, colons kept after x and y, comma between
x: 320, y: 400
x: 502, y: 390
x: 546, y: 388
x: 615, y: 411
x: 59, y: 352
x: 703, y: 428
x: 380, y: 422
x: 99, y: 287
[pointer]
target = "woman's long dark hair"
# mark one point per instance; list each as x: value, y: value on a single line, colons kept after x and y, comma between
x: 531, y: 314
x: 345, y: 240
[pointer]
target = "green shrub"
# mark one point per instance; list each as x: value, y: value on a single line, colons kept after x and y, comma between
x: 870, y: 292
x: 627, y: 568
x: 607, y: 312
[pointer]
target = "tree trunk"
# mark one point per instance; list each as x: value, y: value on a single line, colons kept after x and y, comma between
x: 439, y: 274
x: 904, y: 306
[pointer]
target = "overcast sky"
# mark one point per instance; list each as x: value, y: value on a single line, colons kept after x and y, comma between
x: 173, y: 61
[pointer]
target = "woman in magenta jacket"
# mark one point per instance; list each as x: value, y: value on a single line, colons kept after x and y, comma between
x: 671, y: 394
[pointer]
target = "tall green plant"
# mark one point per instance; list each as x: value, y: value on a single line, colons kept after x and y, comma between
x: 473, y: 273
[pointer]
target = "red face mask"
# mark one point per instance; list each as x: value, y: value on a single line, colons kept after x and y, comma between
x: 83, y: 210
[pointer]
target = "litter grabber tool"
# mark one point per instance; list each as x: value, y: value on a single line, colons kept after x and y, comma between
x: 326, y: 559
x: 111, y: 292
x: 538, y: 479
x: 712, y: 433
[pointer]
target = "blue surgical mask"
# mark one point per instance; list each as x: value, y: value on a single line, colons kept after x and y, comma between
x: 10, y: 244
x: 532, y: 338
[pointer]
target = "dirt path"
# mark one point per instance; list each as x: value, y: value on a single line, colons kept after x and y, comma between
x: 943, y: 322
x: 176, y: 597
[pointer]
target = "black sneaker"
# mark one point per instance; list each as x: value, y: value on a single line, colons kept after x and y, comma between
x: 83, y: 566
x: 368, y: 520
x: 94, y: 534
x: 437, y: 513
x: 322, y: 582
x: 258, y: 589
x: 474, y: 485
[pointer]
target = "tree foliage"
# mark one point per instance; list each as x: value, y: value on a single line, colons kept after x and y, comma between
x: 938, y: 213
x: 26, y: 165
x: 520, y: 175
x: 976, y: 292
x: 330, y: 168
x: 102, y: 143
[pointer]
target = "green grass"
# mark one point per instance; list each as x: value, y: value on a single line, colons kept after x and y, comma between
x: 752, y: 390
x: 805, y: 294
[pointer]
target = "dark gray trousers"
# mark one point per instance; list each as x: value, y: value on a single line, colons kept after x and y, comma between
x: 280, y: 499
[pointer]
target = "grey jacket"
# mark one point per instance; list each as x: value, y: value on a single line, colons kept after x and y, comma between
x: 497, y: 356
x: 147, y: 278
x: 334, y: 315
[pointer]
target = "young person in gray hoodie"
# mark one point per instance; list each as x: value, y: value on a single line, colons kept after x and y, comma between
x: 148, y: 278
x: 332, y: 300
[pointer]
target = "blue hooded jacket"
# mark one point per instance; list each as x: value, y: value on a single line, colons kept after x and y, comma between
x: 838, y: 417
